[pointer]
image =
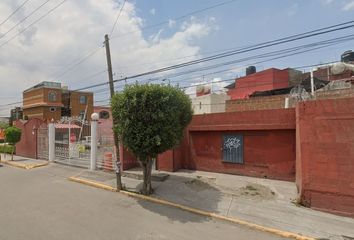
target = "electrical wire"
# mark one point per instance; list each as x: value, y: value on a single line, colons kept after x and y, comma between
x: 115, y: 22
x: 78, y: 62
x: 14, y: 12
x: 24, y: 19
x: 176, y: 19
x: 218, y: 65
x: 33, y: 23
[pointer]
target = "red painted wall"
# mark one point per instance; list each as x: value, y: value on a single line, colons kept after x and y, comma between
x: 261, y: 81
x: 272, y: 119
x: 325, y: 154
x: 268, y: 153
x: 165, y: 161
x: 269, y: 140
x: 127, y: 159
x: 27, y: 147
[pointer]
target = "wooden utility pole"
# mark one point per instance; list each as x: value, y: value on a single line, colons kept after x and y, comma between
x: 111, y: 88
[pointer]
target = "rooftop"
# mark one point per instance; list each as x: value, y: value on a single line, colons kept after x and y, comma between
x: 45, y: 84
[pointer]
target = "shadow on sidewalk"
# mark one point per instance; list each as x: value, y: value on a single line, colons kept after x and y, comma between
x: 191, y: 192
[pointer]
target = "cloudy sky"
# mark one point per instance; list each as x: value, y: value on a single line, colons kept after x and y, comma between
x: 62, y: 40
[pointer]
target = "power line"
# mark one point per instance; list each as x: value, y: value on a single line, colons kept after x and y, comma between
x: 78, y: 62
x: 33, y: 23
x: 14, y: 12
x: 295, y: 51
x: 9, y: 104
x: 184, y: 64
x: 177, y: 18
x: 115, y: 23
x: 104, y: 90
x: 210, y: 58
x: 24, y: 19
x: 256, y: 47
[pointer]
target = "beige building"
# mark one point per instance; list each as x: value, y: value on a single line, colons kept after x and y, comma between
x: 49, y: 100
x: 209, y: 103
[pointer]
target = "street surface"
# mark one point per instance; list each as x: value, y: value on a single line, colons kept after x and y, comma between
x: 42, y: 204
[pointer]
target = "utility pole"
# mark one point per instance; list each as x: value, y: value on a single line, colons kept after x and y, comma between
x: 111, y: 88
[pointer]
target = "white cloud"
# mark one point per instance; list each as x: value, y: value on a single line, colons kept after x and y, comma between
x: 171, y: 23
x: 349, y: 6
x: 153, y: 11
x: 73, y: 31
x: 293, y: 9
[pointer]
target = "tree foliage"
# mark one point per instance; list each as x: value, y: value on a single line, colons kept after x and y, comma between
x: 4, y: 125
x: 12, y: 136
x: 151, y: 119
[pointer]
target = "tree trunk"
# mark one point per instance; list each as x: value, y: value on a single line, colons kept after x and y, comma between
x: 118, y: 163
x: 12, y: 153
x: 147, y: 168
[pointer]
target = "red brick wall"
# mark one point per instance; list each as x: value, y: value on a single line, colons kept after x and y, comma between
x: 127, y: 159
x: 27, y: 147
x: 325, y: 154
x: 334, y: 94
x: 256, y: 103
x: 278, y: 101
x: 322, y: 73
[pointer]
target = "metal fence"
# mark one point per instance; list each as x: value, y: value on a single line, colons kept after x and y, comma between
x: 72, y: 143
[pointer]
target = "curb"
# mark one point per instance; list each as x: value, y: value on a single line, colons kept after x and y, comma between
x: 194, y: 210
x: 92, y: 184
x: 23, y: 166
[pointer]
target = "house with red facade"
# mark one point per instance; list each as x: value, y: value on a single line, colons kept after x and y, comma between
x: 265, y: 80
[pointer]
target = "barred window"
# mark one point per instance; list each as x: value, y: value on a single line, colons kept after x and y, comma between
x: 52, y: 96
x: 233, y: 148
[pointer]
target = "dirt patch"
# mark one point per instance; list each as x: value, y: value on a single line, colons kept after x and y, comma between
x: 252, y: 191
x: 200, y: 183
x: 255, y: 191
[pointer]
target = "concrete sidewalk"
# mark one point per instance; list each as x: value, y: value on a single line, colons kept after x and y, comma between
x: 265, y: 202
x: 22, y: 162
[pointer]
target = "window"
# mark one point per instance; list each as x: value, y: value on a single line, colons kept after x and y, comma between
x: 104, y: 115
x: 52, y: 109
x: 52, y: 96
x: 233, y: 148
x: 83, y: 99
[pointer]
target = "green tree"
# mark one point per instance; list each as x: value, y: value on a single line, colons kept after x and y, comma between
x: 12, y: 136
x: 4, y: 125
x: 151, y: 119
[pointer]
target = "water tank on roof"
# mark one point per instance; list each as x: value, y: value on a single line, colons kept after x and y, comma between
x: 347, y: 56
x: 250, y: 70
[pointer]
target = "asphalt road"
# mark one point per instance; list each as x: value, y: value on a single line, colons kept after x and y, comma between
x: 42, y: 204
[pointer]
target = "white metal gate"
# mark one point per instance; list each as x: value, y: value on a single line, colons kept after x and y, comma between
x: 72, y: 142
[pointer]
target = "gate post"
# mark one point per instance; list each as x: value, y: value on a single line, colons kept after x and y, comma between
x: 51, y: 141
x: 94, y: 125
